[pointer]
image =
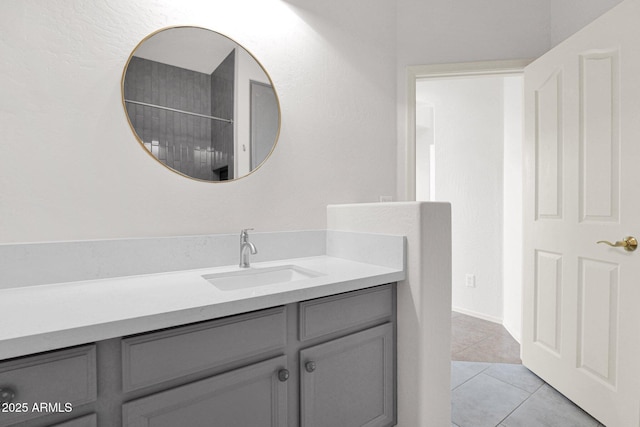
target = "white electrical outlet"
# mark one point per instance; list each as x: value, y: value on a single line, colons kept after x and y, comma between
x: 470, y: 280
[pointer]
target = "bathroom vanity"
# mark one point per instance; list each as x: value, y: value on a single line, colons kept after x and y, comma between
x: 199, y: 347
x: 321, y: 362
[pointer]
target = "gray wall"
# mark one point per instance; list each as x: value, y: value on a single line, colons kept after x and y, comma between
x: 222, y: 105
x: 180, y: 141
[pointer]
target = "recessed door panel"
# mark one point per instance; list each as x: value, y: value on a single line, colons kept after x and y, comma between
x: 548, y: 112
x: 598, y: 318
x: 599, y: 136
x: 548, y: 298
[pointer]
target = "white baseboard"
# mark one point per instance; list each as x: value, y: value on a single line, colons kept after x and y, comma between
x: 515, y: 336
x: 477, y: 315
x: 490, y: 319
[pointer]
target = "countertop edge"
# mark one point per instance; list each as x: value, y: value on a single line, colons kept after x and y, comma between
x: 58, y: 339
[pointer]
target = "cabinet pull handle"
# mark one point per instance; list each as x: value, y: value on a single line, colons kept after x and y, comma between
x: 310, y: 366
x: 283, y: 375
x: 7, y: 395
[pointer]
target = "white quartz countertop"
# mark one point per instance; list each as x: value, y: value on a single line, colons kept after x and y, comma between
x: 47, y: 317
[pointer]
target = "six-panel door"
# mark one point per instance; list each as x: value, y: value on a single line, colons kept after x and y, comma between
x: 581, y: 324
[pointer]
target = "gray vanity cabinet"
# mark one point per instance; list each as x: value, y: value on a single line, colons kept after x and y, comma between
x: 238, y: 365
x: 349, y: 381
x: 347, y: 370
x: 325, y: 362
x: 219, y: 345
x: 86, y: 421
x: 56, y: 384
x: 250, y: 396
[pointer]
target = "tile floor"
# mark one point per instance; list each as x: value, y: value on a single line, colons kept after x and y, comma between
x: 477, y: 340
x: 490, y: 387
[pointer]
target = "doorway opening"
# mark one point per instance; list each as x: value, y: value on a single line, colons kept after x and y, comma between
x: 468, y: 151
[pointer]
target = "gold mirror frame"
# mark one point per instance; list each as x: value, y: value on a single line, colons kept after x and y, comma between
x: 215, y: 156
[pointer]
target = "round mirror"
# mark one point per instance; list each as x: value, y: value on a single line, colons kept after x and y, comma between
x: 200, y: 104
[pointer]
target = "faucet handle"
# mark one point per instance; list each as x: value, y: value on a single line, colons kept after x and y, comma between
x: 244, y: 233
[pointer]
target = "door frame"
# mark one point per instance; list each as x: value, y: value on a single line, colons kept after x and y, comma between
x: 512, y: 321
x: 460, y: 69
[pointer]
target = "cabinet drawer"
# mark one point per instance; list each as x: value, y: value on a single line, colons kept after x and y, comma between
x: 88, y: 421
x: 337, y: 313
x: 160, y: 356
x: 250, y: 396
x: 51, y: 381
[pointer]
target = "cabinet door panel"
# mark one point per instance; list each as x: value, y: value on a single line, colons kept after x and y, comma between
x: 251, y: 396
x: 352, y: 381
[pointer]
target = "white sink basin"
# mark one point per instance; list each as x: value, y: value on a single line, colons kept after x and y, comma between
x: 254, y: 277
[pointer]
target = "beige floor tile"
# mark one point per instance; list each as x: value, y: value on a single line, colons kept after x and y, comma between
x: 477, y: 340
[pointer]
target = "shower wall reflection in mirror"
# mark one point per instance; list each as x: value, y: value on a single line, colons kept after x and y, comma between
x: 190, y: 97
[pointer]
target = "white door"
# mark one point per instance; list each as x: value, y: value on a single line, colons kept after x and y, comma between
x: 581, y: 314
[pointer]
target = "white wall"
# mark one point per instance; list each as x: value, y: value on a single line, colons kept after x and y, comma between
x: 70, y: 167
x: 569, y: 16
x: 423, y: 301
x: 469, y: 135
x: 445, y: 31
x: 425, y: 167
x: 512, y: 205
x: 480, y: 120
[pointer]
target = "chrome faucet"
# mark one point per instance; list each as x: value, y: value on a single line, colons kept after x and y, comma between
x: 245, y: 247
